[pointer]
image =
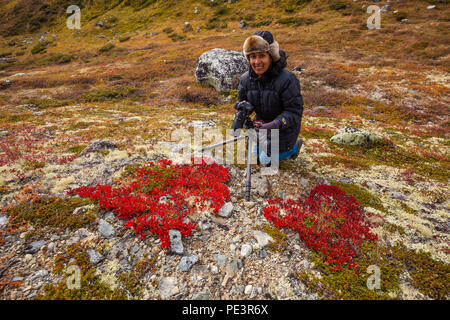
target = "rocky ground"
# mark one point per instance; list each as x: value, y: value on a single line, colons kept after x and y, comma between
x: 226, y: 257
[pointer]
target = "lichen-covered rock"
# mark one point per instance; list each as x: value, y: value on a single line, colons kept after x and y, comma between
x: 221, y: 69
x: 176, y: 245
x: 353, y: 136
x: 97, y: 145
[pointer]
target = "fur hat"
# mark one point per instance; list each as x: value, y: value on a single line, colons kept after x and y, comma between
x: 261, y: 41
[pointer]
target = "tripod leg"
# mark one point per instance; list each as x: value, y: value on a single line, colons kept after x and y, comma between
x: 248, y: 185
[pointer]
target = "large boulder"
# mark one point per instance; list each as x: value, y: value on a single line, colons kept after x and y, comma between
x: 353, y: 136
x: 221, y: 69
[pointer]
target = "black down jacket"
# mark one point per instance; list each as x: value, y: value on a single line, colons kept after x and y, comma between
x: 275, y: 95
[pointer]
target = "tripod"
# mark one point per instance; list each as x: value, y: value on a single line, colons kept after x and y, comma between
x: 249, y: 136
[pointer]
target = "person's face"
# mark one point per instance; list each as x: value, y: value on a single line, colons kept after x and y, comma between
x: 260, y: 62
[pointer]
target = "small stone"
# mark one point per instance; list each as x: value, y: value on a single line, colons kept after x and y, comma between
x: 94, y: 256
x: 249, y: 204
x: 263, y: 253
x: 219, y: 259
x: 187, y: 262
x: 205, y: 225
x: 38, y: 274
x: 398, y: 195
x: 226, y: 210
x: 3, y: 220
x: 214, y: 270
x: 176, y: 245
x: 201, y: 296
x: 246, y: 250
x: 35, y: 246
x: 248, y: 289
x: 262, y: 238
x: 168, y: 287
x: 105, y: 229
x: 431, y: 7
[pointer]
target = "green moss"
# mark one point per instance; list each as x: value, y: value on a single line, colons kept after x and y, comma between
x: 430, y: 277
x: 393, y: 228
x: 383, y: 152
x: 107, y: 47
x: 55, y: 213
x: 296, y: 21
x: 132, y: 281
x: 47, y: 103
x: 103, y: 152
x: 408, y: 209
x: 91, y: 288
x: 40, y: 47
x: 30, y: 165
x: 77, y: 149
x: 109, y: 93
x: 124, y: 38
x: 365, y: 198
x: 280, y: 238
x: 80, y: 125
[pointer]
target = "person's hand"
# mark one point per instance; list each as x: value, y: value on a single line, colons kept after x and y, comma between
x: 275, y: 124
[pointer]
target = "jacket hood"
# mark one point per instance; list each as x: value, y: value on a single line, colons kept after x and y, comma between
x: 274, y: 70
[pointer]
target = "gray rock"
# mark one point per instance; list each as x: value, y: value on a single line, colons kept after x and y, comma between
x: 173, y: 146
x: 100, y: 24
x: 97, y: 145
x: 398, y: 195
x: 168, y: 287
x: 221, y: 69
x: 263, y: 253
x: 221, y: 260
x: 38, y: 274
x: 248, y: 289
x: 226, y: 210
x: 242, y: 24
x: 201, y: 296
x: 260, y: 184
x: 105, y: 229
x: 205, y: 225
x: 94, y: 256
x: 3, y: 220
x: 203, y: 124
x: 246, y: 250
x: 35, y: 246
x: 319, y: 109
x: 262, y: 238
x: 372, y: 185
x: 385, y: 8
x: 176, y: 245
x: 354, y: 136
x: 232, y: 267
x: 239, y: 289
x: 187, y: 262
x: 214, y: 270
x: 431, y: 7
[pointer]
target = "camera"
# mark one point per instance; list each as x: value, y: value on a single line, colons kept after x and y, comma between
x: 242, y: 118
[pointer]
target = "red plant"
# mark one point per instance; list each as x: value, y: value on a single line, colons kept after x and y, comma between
x: 139, y: 202
x: 327, y: 220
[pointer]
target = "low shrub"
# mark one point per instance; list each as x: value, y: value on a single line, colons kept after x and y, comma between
x: 183, y: 187
x: 327, y: 220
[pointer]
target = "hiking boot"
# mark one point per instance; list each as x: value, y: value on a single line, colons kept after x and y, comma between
x: 299, y: 146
